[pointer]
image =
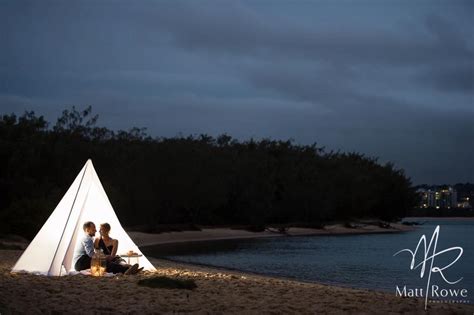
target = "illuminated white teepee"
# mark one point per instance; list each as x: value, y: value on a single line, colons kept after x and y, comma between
x: 51, y: 251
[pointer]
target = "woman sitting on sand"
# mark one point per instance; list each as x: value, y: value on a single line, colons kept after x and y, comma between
x: 109, y: 246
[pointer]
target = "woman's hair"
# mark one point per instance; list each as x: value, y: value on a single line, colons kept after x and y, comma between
x: 106, y: 226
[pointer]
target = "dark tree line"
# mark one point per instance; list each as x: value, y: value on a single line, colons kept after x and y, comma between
x: 189, y: 180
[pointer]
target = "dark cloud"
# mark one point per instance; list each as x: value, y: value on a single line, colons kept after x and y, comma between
x: 451, y: 79
x: 235, y: 29
x: 391, y: 79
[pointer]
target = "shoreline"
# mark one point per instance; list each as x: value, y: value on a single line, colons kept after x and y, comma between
x: 217, y: 234
x: 218, y: 291
x: 145, y: 240
x: 441, y: 218
x: 167, y: 261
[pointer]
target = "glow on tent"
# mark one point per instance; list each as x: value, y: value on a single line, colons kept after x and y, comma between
x: 51, y: 251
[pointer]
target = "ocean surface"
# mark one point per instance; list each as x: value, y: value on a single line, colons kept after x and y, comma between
x: 358, y: 261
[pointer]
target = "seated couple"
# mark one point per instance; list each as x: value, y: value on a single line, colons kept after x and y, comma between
x: 85, y: 250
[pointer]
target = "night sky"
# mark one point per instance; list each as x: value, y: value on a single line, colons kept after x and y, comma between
x: 392, y: 79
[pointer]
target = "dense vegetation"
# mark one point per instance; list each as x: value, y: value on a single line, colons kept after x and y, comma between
x: 188, y: 180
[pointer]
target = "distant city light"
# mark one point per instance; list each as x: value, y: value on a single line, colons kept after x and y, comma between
x: 442, y: 199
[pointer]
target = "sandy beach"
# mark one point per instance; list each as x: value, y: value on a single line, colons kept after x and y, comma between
x: 207, y: 234
x: 218, y: 291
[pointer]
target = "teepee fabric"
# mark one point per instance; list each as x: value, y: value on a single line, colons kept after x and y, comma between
x: 51, y: 251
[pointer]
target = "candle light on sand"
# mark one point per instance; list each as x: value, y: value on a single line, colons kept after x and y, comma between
x: 94, y: 271
x: 97, y: 271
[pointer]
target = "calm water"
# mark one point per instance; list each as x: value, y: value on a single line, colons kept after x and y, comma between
x: 361, y: 261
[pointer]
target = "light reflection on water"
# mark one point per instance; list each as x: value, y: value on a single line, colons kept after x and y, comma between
x: 361, y: 261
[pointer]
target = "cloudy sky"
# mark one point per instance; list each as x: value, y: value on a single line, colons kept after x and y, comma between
x: 390, y: 79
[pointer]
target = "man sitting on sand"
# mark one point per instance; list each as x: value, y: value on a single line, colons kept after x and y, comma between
x: 85, y: 250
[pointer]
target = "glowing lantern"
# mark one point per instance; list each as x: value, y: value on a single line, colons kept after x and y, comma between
x: 98, y: 264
